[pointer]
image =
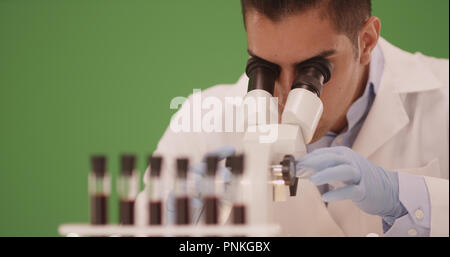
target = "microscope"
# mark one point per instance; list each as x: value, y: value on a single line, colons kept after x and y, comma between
x: 270, y: 163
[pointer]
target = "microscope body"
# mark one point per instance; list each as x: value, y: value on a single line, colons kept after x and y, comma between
x: 300, y: 117
x: 270, y: 164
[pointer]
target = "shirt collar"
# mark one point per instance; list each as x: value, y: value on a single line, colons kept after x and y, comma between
x: 362, y: 104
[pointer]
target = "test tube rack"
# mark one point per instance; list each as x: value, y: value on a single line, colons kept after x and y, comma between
x: 256, y: 226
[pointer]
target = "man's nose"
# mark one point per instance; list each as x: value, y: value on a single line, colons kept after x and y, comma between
x: 284, y: 83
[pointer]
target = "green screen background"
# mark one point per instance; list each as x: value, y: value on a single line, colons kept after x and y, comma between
x: 83, y: 77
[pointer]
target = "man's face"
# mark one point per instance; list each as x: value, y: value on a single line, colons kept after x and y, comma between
x: 297, y: 38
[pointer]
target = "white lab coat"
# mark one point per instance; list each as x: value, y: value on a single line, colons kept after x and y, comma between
x: 406, y: 130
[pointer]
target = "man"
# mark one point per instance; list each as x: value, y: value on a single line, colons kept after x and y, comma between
x: 384, y: 129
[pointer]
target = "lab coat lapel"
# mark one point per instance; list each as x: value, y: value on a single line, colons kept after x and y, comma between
x: 386, y: 117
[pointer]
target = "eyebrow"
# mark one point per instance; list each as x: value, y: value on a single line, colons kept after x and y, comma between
x: 323, y: 54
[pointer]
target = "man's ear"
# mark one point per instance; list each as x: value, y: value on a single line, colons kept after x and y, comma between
x: 368, y: 38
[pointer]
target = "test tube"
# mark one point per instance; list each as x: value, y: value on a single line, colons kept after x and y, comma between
x: 128, y: 187
x: 210, y: 200
x: 182, y: 200
x: 155, y: 191
x: 99, y: 189
x: 237, y: 169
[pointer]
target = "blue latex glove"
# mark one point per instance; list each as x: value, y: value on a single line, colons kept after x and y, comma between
x: 371, y: 188
x: 198, y: 173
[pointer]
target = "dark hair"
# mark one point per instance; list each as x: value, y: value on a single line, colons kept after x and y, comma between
x: 347, y: 16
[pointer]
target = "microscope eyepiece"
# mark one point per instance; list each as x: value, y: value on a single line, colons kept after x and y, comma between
x: 312, y: 74
x: 261, y: 74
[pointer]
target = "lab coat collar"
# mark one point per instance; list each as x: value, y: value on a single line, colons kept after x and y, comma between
x: 410, y: 72
x: 403, y: 73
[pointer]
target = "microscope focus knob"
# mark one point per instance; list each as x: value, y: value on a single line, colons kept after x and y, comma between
x: 288, y: 173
